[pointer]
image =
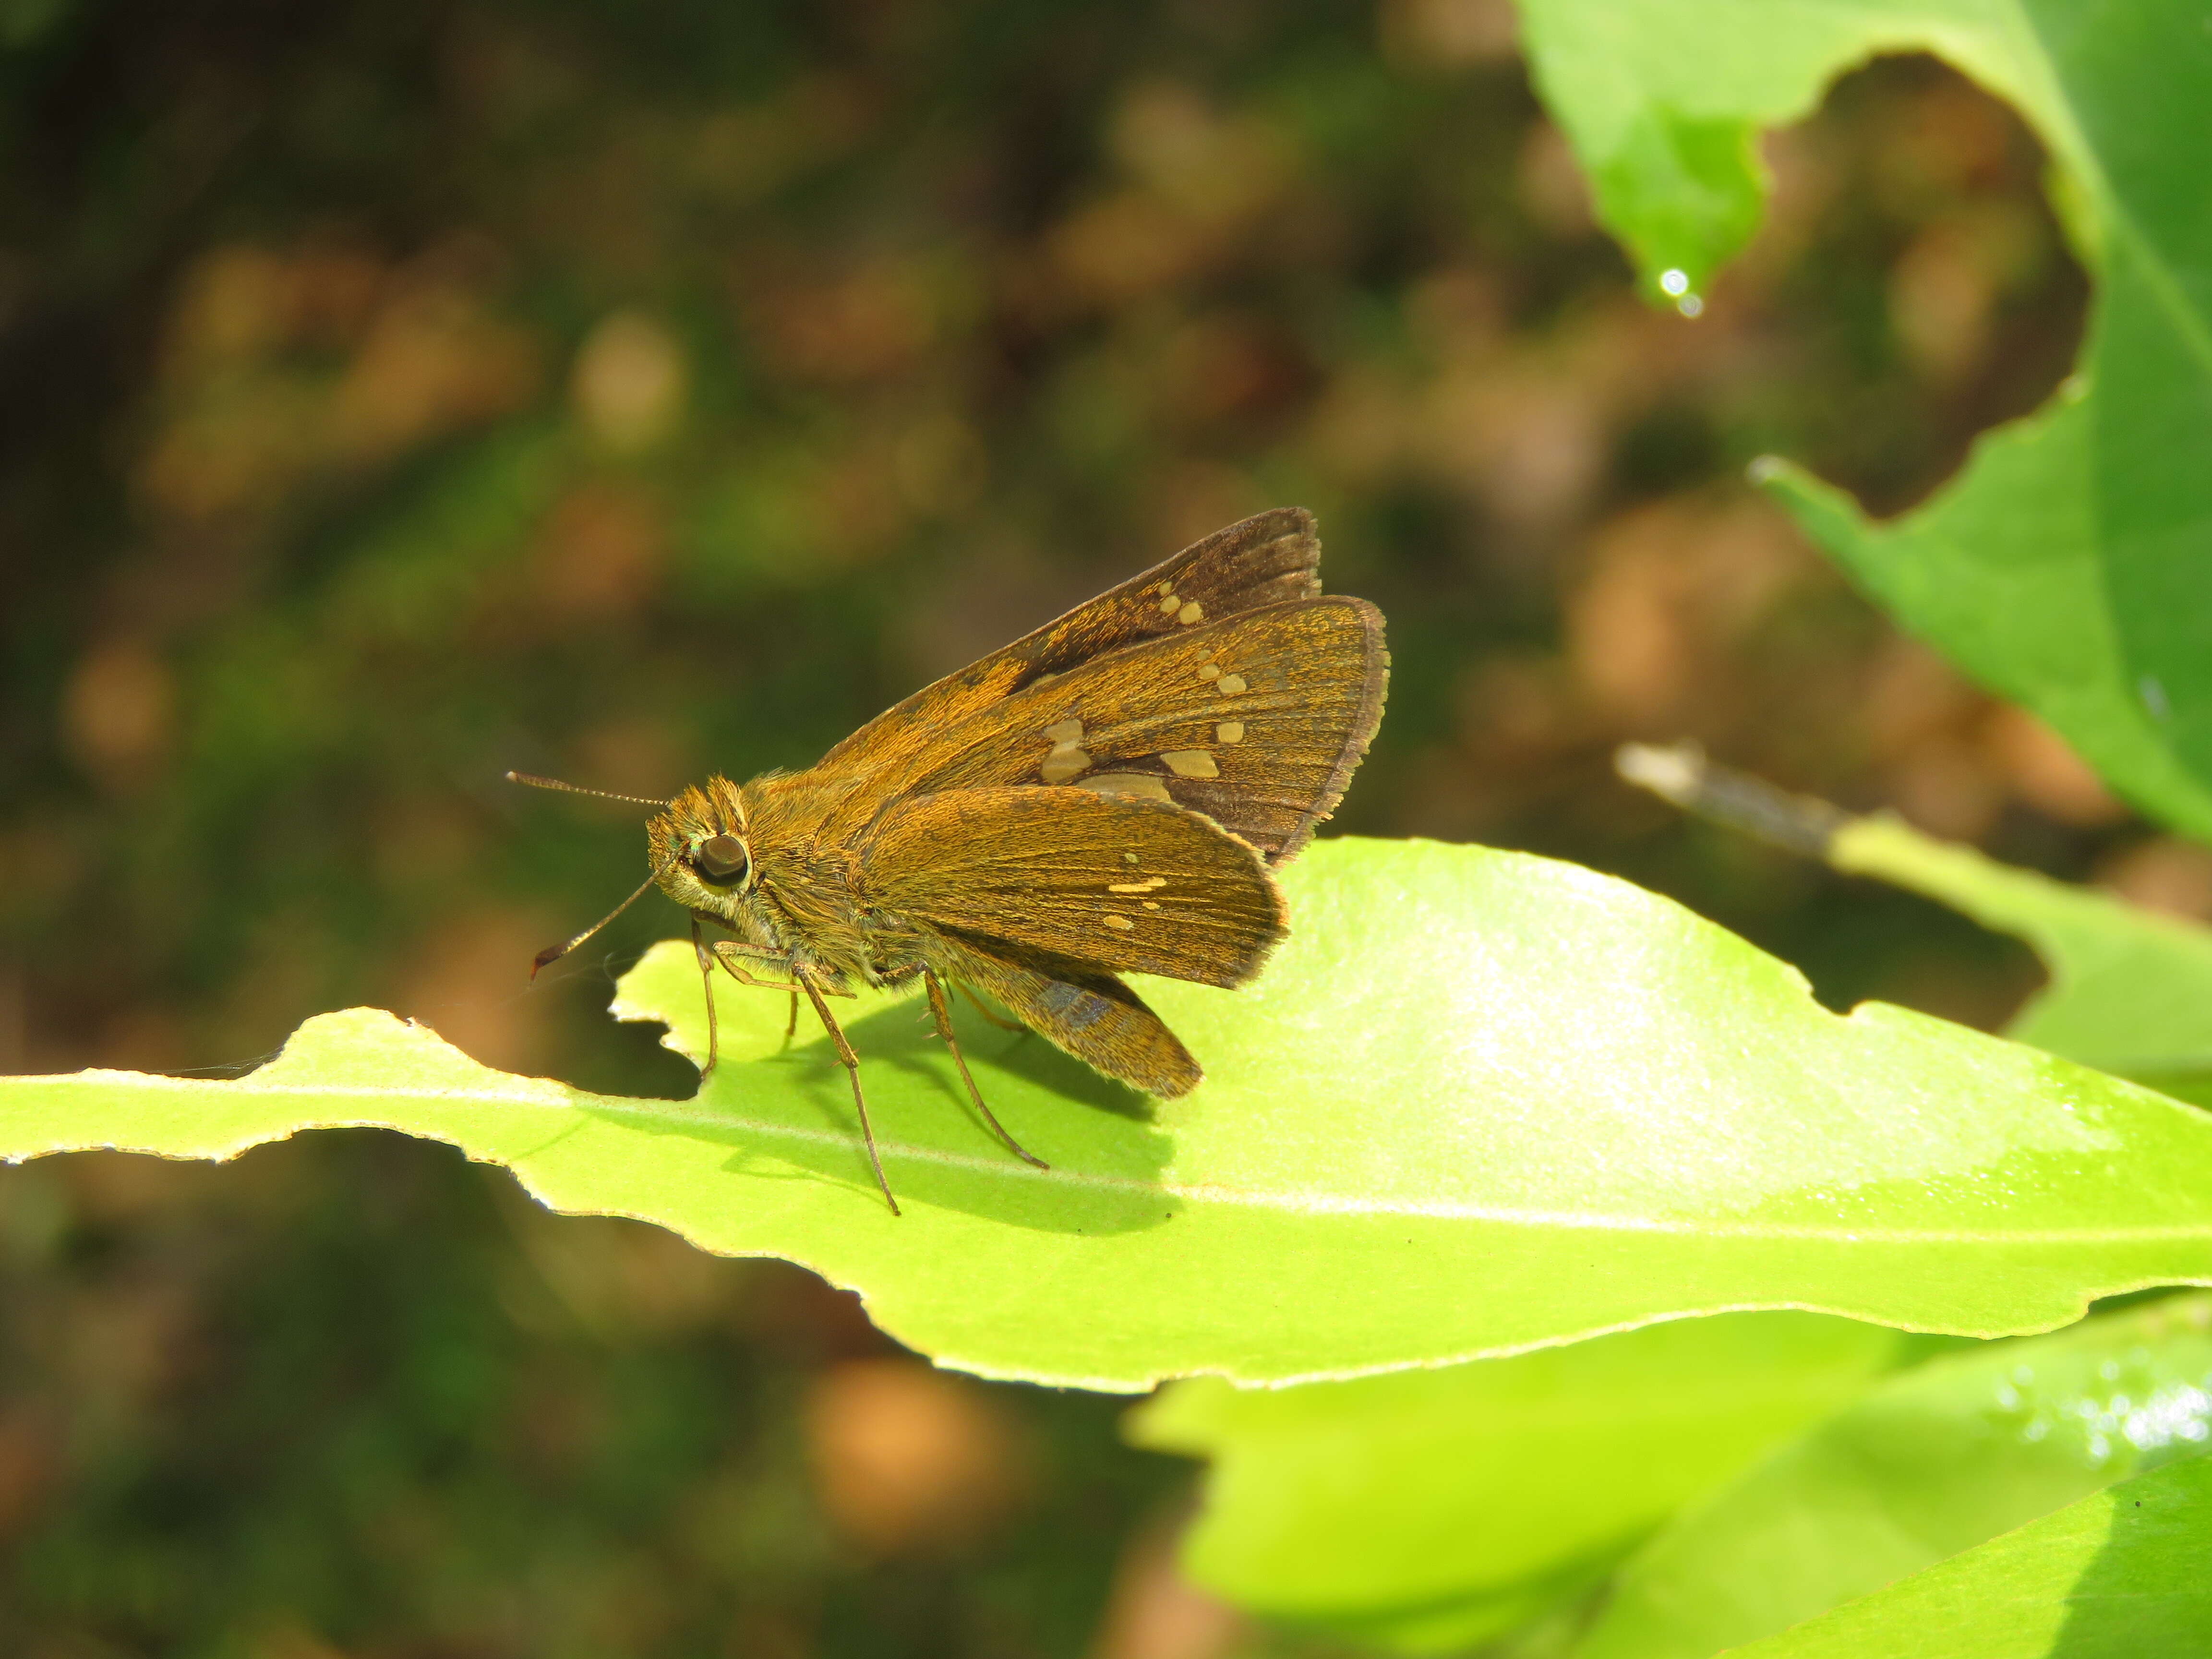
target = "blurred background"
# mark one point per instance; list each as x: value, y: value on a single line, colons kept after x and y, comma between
x: 396, y: 394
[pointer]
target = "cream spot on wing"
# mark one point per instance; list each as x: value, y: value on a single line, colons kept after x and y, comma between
x: 1170, y: 604
x: 1141, y: 784
x: 1191, y: 612
x: 1209, y: 671
x: 1119, y: 924
x: 1229, y: 732
x: 1232, y: 684
x: 1128, y: 857
x: 1151, y: 904
x: 1191, y: 763
x: 1066, y: 761
x: 1144, y: 886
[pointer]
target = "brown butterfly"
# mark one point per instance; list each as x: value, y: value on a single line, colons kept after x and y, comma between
x: 1106, y: 795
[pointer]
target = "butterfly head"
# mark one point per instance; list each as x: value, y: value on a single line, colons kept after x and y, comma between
x: 701, y: 850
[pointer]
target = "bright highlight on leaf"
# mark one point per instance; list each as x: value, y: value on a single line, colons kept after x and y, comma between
x: 1481, y: 1102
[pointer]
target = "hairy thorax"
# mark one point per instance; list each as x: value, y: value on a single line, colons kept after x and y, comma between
x: 790, y: 891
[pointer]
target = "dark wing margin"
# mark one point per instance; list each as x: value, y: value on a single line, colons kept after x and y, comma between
x: 1267, y: 559
x: 1365, y: 715
x: 1128, y: 885
x: 1270, y: 558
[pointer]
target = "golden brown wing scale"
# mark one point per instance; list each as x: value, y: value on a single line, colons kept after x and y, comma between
x: 1092, y: 1015
x: 1268, y: 559
x: 1128, y: 885
x: 1255, y: 721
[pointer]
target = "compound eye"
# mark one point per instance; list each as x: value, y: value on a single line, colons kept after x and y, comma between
x: 723, y: 858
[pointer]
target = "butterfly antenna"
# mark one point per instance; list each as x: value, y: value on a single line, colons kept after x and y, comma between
x: 553, y: 953
x: 578, y: 789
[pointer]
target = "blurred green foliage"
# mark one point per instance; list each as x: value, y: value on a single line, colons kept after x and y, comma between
x: 399, y: 394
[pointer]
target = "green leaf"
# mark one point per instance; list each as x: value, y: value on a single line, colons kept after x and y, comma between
x: 2125, y: 1573
x: 1481, y: 1102
x: 2004, y: 573
x: 1431, y: 1509
x: 1931, y: 1463
x: 1663, y: 99
x: 2130, y: 990
x: 2138, y: 79
x: 2064, y: 568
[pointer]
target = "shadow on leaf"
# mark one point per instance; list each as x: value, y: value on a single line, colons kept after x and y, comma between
x: 789, y: 1116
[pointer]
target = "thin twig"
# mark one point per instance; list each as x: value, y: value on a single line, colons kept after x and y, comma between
x: 1681, y: 773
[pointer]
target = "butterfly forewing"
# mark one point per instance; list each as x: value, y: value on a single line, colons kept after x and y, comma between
x: 1268, y: 559
x: 1126, y: 886
x: 1256, y: 721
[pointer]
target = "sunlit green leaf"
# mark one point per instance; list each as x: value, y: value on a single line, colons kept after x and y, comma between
x: 1481, y: 1102
x: 2125, y: 1573
x: 2004, y: 571
x: 1934, y: 1462
x: 1664, y: 100
x: 1432, y: 1509
x: 2130, y: 989
x: 2065, y: 569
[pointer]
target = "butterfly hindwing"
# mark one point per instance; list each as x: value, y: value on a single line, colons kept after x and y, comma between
x: 1090, y: 1014
x: 1126, y: 886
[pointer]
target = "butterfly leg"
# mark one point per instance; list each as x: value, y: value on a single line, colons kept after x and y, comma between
x: 728, y: 949
x: 707, y: 978
x: 943, y: 1011
x: 723, y: 951
x: 995, y: 1018
x: 851, y: 1061
x: 730, y: 953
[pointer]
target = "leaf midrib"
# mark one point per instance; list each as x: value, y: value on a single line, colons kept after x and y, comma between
x: 1284, y: 1202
